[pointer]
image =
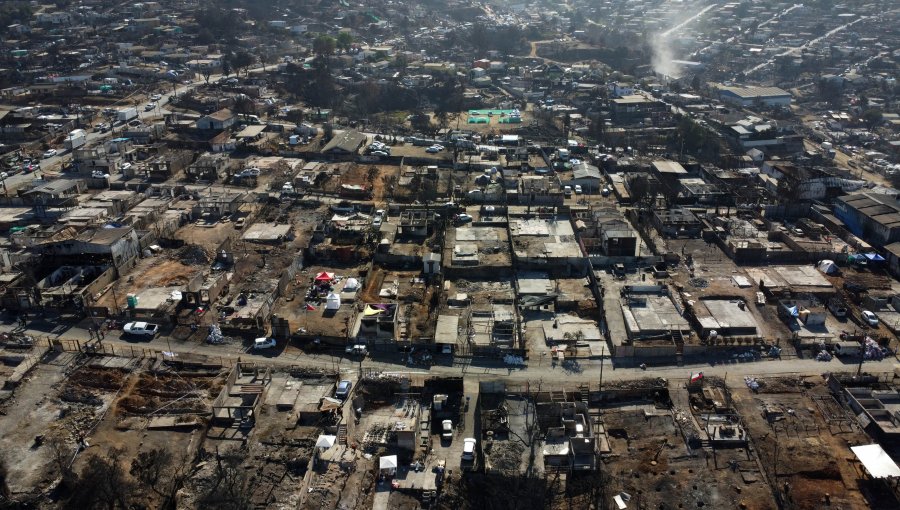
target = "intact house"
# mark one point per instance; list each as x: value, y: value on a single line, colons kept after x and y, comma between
x: 748, y: 96
x: 871, y: 216
x: 217, y: 121
x: 586, y: 176
x: 345, y: 145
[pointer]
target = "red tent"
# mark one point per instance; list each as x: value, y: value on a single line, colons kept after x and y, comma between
x: 325, y: 277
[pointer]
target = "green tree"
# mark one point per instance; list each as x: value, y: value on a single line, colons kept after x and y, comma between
x: 344, y: 41
x: 241, y: 60
x: 872, y: 118
x: 324, y: 45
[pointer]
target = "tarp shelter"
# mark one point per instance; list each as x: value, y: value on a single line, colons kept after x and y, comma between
x: 874, y: 257
x: 324, y: 277
x: 374, y: 310
x: 330, y: 404
x: 827, y: 267
x: 351, y: 284
x: 333, y: 301
x: 794, y: 311
x: 325, y: 441
x: 388, y: 463
x: 876, y: 461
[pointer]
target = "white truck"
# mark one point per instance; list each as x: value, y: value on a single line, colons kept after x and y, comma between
x: 126, y: 114
x: 76, y: 139
x: 141, y: 329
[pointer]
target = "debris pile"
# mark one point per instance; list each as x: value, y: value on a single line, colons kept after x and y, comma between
x: 751, y: 383
x: 380, y: 388
x: 214, y: 335
x: 192, y: 254
x: 506, y: 456
x: 699, y: 283
x: 513, y: 360
x: 80, y: 396
x: 823, y: 356
x: 873, y: 351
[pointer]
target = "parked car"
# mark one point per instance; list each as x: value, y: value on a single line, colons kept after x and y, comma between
x: 50, y: 153
x: 469, y: 448
x: 264, y: 343
x: 870, y: 318
x: 155, y: 97
x: 434, y: 149
x: 343, y: 389
x: 149, y: 107
x: 578, y: 190
x: 248, y: 172
x: 3, y: 175
x: 141, y: 329
x: 447, y: 429
x: 463, y: 218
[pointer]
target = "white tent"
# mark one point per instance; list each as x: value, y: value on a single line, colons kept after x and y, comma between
x: 351, y: 284
x: 876, y: 461
x: 333, y: 301
x: 388, y: 462
x: 325, y: 442
x: 827, y: 267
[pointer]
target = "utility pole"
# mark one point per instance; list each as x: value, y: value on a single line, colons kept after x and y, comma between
x: 601, y: 373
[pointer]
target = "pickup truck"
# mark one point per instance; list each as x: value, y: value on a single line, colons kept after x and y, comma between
x: 141, y: 329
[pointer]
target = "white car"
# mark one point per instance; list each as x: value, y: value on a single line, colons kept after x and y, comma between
x: 3, y: 175
x: 141, y: 329
x: 155, y: 97
x: 468, y: 452
x: 447, y: 429
x: 264, y: 343
x: 434, y: 149
x: 149, y: 107
x: 249, y: 172
x: 578, y: 189
x: 50, y: 153
x: 871, y: 318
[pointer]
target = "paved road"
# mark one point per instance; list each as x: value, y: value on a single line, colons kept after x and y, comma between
x: 537, y: 370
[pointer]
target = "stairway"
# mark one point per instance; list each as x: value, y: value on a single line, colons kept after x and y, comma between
x: 342, y: 434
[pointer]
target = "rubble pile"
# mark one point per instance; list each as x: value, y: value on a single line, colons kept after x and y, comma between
x: 700, y: 283
x: 214, y: 335
x: 192, y: 254
x: 506, y: 456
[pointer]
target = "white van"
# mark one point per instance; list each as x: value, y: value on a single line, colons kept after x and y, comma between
x: 567, y: 191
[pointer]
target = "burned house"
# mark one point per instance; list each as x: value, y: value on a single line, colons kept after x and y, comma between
x: 377, y: 323
x: 119, y: 247
x: 209, y: 167
x: 677, y: 222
